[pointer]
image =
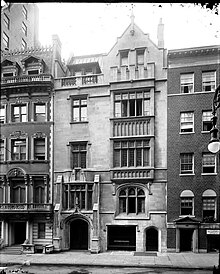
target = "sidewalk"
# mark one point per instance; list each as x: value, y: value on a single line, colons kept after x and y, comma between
x: 116, y: 259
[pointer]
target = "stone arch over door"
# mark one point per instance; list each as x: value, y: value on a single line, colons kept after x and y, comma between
x: 77, y: 232
x: 151, y: 239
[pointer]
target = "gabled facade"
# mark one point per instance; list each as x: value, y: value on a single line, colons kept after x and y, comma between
x: 110, y: 148
x: 26, y: 117
x: 193, y: 172
x: 19, y: 26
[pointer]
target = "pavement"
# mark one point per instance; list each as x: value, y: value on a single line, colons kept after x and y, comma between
x: 187, y: 260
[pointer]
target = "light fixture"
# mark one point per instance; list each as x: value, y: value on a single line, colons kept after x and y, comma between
x: 214, y: 144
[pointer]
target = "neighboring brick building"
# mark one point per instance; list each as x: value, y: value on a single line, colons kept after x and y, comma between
x: 110, y: 148
x: 19, y: 26
x: 193, y: 173
x: 26, y: 155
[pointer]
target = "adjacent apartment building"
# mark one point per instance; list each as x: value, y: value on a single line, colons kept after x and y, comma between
x: 26, y: 154
x: 19, y: 26
x: 110, y: 148
x: 193, y: 174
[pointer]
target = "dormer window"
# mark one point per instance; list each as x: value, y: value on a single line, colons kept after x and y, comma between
x: 33, y: 65
x: 9, y: 68
x: 33, y: 72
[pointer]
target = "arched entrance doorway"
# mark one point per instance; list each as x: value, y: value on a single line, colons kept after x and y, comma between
x: 151, y: 239
x: 79, y: 234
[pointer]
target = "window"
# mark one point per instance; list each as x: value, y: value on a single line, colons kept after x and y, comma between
x: 40, y: 112
x: 2, y: 114
x: 131, y: 200
x: 19, y: 113
x: 78, y: 155
x: 18, y: 149
x: 206, y: 120
x: 5, y: 40
x: 24, y: 11
x: 131, y: 153
x: 2, y: 150
x: 186, y: 163
x: 24, y: 28
x: 186, y: 122
x: 33, y: 72
x: 140, y: 57
x: 79, y: 109
x: 132, y: 104
x: 41, y: 230
x: 17, y: 191
x: 39, y: 149
x: 208, y: 81
x: 7, y: 74
x: 208, y: 163
x: 124, y: 58
x: 6, y: 21
x: 78, y: 195
x: 209, y: 205
x: 187, y: 206
x: 186, y: 83
x: 23, y: 44
x: 39, y: 191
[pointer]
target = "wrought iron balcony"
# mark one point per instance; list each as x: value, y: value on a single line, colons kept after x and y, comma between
x: 24, y: 207
x: 26, y: 79
x: 82, y: 80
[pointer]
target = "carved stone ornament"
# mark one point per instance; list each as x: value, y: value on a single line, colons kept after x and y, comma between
x: 18, y: 134
x: 39, y: 135
x: 16, y: 172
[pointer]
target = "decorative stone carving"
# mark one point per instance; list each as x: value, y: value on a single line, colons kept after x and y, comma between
x: 16, y: 172
x: 18, y: 134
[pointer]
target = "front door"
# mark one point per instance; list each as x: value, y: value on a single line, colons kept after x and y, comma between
x: 79, y: 235
x: 186, y: 239
x: 19, y: 232
x: 151, y: 239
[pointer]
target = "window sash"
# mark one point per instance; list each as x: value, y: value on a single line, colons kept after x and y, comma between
x: 208, y: 81
x: 41, y: 230
x: 18, y: 150
x: 19, y: 113
x: 186, y: 206
x: 40, y: 112
x: 186, y: 163
x: 39, y: 149
x: 186, y: 83
x: 79, y: 113
x: 186, y: 122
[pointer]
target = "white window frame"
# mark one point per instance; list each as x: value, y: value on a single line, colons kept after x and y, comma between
x: 18, y: 104
x: 208, y: 82
x: 209, y: 173
x: 205, y: 119
x: 186, y: 80
x: 10, y: 148
x: 187, y: 173
x: 33, y: 147
x: 182, y: 122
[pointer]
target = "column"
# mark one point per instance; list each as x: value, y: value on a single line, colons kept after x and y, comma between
x: 46, y: 189
x: 9, y: 190
x: 31, y: 194
x: 195, y: 241
x: 177, y: 240
x: 26, y: 189
x: 6, y: 233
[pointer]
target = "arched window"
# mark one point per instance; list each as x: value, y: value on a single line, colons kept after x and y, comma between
x: 18, y: 191
x: 187, y: 203
x: 131, y: 200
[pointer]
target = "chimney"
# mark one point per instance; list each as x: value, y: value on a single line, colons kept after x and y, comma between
x: 160, y: 34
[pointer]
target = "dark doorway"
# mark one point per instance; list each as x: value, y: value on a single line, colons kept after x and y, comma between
x: 19, y: 232
x: 213, y: 243
x: 79, y: 235
x: 186, y: 239
x: 151, y: 239
x: 122, y: 237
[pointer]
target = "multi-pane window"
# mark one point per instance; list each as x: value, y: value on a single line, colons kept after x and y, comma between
x: 131, y: 153
x: 2, y: 150
x: 24, y: 28
x: 41, y: 230
x: 39, y: 149
x: 7, y: 74
x: 6, y: 21
x: 23, y: 44
x: 78, y: 155
x: 208, y: 163
x: 186, y: 163
x: 132, y: 104
x: 206, y: 120
x: 79, y: 109
x: 40, y: 112
x: 19, y: 113
x: 124, y: 58
x: 39, y: 191
x: 2, y: 114
x: 140, y: 57
x: 208, y: 81
x: 187, y: 83
x: 78, y: 195
x: 209, y: 208
x: 131, y: 200
x: 186, y: 206
x: 33, y: 71
x: 186, y: 122
x: 24, y: 11
x: 18, y: 149
x: 17, y: 191
x: 5, y: 40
